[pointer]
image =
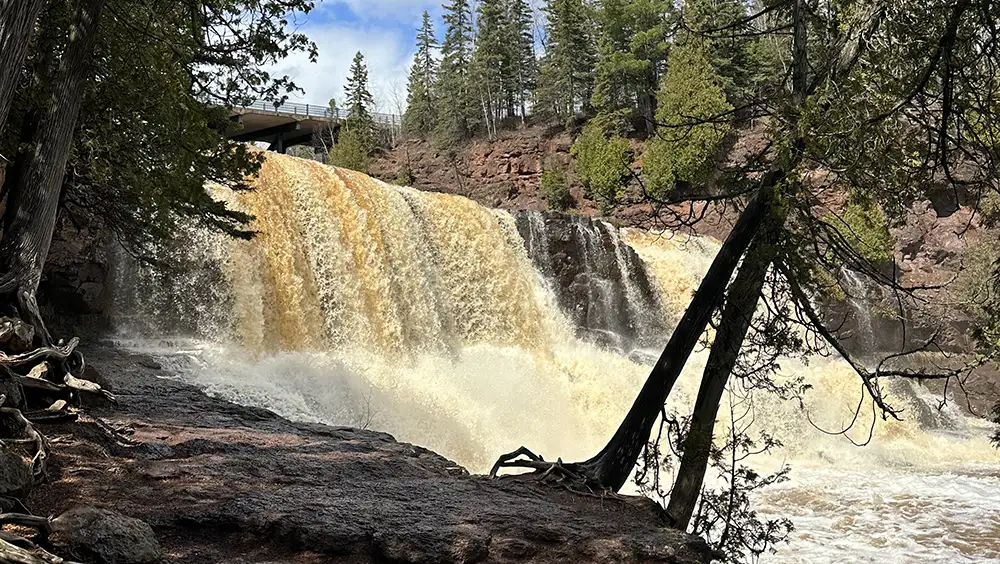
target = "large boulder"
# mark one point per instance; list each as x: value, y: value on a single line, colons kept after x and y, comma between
x: 15, y: 475
x: 104, y: 537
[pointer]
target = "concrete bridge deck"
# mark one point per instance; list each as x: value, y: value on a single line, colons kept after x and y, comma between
x: 292, y: 123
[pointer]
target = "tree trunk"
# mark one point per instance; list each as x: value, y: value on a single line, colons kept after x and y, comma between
x: 741, y: 303
x: 33, y: 202
x: 17, y: 23
x: 611, y: 467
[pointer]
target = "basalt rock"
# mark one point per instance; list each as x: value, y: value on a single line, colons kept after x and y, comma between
x: 16, y: 336
x: 104, y: 537
x: 219, y: 482
x: 15, y: 475
x: 599, y: 282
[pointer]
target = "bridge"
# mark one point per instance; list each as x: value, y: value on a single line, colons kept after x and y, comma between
x: 291, y: 124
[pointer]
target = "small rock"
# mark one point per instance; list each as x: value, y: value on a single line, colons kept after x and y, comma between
x: 150, y: 363
x: 105, y: 537
x: 15, y: 475
x: 16, y: 336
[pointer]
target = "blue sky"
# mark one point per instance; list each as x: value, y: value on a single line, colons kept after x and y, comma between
x: 383, y: 30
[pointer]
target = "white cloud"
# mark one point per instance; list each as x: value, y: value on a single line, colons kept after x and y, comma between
x: 386, y: 10
x: 388, y: 53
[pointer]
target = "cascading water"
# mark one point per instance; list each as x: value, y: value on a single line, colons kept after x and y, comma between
x: 471, y: 332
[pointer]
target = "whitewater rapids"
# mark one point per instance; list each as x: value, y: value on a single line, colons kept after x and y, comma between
x: 425, y: 315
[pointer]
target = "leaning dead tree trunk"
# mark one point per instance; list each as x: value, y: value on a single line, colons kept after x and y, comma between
x: 741, y: 303
x: 31, y: 208
x: 17, y: 23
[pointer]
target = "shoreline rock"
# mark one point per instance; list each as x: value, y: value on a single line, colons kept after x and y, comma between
x: 219, y: 482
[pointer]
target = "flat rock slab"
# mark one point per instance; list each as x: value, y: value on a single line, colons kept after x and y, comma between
x: 220, y: 482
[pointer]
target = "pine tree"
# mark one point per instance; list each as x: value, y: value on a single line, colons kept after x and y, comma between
x: 632, y: 48
x: 359, y: 100
x: 491, y: 61
x: 421, y: 113
x: 728, y: 50
x: 566, y: 79
x: 456, y: 100
x: 523, y: 70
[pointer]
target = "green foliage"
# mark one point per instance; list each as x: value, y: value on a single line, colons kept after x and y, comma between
x: 522, y: 69
x: 457, y: 105
x: 602, y: 164
x: 359, y: 102
x: 864, y: 226
x: 405, y: 176
x: 632, y: 49
x: 149, y: 135
x: 421, y: 112
x: 555, y: 189
x: 730, y: 53
x: 350, y: 152
x: 976, y: 288
x: 689, y: 133
x: 566, y: 78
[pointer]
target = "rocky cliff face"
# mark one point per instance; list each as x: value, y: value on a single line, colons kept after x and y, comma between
x: 502, y: 173
x: 599, y: 282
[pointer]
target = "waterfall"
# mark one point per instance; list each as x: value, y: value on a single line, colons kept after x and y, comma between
x: 473, y: 331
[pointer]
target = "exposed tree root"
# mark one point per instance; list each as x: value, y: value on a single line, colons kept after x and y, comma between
x: 11, y: 553
x: 45, y: 376
x: 571, y: 476
x: 545, y: 470
x: 58, y: 353
x: 38, y: 461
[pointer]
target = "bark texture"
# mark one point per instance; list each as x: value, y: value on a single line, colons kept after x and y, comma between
x: 17, y: 23
x: 612, y: 466
x: 32, y: 204
x: 741, y: 303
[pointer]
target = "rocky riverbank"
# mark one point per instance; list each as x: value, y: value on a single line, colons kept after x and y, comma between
x: 219, y: 482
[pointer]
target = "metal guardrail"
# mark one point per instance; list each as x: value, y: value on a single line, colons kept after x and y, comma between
x: 319, y: 111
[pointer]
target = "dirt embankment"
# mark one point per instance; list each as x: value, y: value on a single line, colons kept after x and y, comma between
x: 220, y: 482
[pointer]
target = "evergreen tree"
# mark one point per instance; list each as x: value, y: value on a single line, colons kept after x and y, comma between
x: 456, y: 100
x: 491, y: 61
x: 715, y: 23
x: 421, y: 113
x: 359, y: 100
x: 566, y: 79
x: 632, y: 48
x: 523, y: 70
x: 682, y: 151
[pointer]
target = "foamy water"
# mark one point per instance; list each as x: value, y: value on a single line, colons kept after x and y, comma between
x: 421, y: 315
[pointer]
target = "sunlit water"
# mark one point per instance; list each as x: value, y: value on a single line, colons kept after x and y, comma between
x: 421, y: 315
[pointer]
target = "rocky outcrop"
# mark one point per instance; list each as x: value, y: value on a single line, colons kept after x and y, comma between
x: 501, y: 173
x: 220, y: 482
x: 599, y: 282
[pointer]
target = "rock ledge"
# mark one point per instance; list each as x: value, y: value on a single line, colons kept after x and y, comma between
x: 220, y: 482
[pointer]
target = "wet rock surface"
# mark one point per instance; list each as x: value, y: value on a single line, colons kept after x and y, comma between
x: 600, y: 283
x: 220, y: 482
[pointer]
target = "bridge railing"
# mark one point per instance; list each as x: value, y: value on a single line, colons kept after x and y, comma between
x: 319, y: 111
